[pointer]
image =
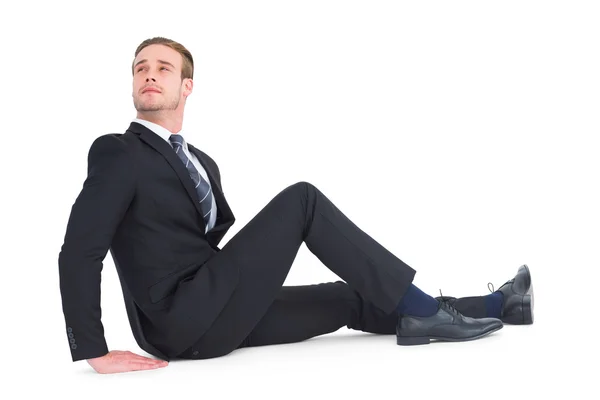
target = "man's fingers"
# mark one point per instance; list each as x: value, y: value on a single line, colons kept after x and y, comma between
x: 140, y: 366
x: 128, y: 356
x: 137, y: 357
x: 141, y: 361
x: 146, y: 361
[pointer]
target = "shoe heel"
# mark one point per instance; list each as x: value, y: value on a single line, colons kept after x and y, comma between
x: 528, y: 309
x: 410, y: 341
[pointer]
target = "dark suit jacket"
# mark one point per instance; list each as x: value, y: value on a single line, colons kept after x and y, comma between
x: 139, y: 202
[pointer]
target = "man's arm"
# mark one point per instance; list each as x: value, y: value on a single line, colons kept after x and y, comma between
x: 98, y: 210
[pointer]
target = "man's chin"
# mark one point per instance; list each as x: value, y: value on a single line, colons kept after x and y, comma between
x: 149, y: 108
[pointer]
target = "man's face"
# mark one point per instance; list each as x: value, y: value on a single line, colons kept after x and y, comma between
x: 158, y: 68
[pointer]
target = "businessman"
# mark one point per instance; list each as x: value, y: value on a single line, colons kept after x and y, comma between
x: 156, y: 202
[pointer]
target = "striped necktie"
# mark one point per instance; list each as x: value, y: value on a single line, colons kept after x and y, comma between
x: 202, y: 186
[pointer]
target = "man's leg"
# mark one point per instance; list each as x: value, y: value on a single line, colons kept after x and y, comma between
x: 302, y: 312
x: 512, y: 302
x: 266, y: 247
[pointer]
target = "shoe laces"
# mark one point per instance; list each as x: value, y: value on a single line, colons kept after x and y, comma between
x: 505, y: 283
x: 447, y: 304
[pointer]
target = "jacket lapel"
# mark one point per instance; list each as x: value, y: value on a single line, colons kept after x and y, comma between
x: 167, y: 152
x: 224, y: 214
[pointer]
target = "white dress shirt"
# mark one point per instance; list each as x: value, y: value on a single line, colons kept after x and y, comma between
x: 165, y: 134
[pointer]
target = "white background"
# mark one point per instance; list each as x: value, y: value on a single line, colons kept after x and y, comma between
x: 474, y: 125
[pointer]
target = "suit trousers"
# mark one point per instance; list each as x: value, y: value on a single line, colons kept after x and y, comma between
x: 262, y: 311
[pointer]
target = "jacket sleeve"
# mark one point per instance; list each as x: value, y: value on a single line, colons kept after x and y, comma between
x: 95, y: 215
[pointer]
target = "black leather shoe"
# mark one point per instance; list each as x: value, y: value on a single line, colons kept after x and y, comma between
x: 446, y: 325
x: 517, y: 305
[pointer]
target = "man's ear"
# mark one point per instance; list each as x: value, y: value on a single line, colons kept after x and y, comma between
x: 188, y: 86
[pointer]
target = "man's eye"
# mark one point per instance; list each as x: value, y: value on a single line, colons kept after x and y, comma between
x: 139, y: 69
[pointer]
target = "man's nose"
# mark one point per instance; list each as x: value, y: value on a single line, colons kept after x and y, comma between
x: 147, y: 79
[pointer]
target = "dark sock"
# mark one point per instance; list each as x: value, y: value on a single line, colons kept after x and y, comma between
x: 493, y: 304
x: 417, y: 303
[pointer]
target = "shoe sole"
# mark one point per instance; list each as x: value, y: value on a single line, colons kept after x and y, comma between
x: 416, y: 340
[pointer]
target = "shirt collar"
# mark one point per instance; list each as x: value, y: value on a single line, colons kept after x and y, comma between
x: 159, y: 130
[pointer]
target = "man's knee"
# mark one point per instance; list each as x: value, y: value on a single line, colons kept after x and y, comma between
x: 302, y: 186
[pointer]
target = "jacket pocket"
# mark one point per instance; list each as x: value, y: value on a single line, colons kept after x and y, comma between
x: 167, y: 285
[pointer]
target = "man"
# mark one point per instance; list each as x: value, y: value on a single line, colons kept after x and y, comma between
x: 156, y: 202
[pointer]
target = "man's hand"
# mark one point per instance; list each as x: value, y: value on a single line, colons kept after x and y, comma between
x: 124, y: 361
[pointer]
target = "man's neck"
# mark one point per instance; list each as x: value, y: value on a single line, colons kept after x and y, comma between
x: 171, y: 124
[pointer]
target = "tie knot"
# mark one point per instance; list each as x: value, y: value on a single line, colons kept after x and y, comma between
x: 176, y: 139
